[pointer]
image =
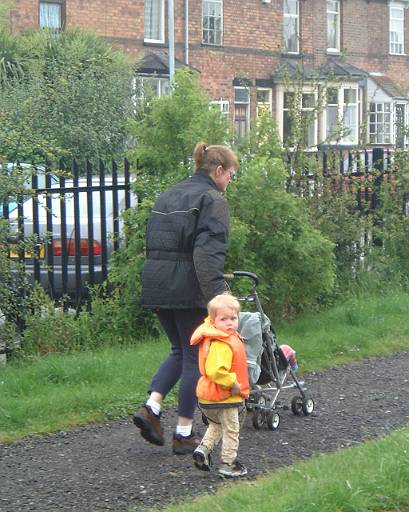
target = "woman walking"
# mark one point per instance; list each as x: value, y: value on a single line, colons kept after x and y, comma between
x: 186, y: 241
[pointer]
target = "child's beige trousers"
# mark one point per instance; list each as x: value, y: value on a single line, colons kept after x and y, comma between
x: 223, y: 425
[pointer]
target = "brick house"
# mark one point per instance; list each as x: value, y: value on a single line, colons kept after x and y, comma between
x: 241, y: 47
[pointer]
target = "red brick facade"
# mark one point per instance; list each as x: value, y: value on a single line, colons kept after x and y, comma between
x: 252, y: 37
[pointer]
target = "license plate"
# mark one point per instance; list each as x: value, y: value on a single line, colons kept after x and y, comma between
x: 27, y: 254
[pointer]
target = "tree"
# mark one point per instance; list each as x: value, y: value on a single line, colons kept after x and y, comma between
x: 72, y: 100
x: 168, y: 132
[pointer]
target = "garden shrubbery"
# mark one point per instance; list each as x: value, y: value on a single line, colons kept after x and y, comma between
x: 310, y: 245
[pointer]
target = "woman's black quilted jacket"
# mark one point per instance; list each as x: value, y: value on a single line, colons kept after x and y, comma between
x: 186, y: 241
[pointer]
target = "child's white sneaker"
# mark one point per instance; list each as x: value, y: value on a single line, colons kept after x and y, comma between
x: 234, y: 470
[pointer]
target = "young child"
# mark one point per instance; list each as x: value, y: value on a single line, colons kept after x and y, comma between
x: 223, y: 384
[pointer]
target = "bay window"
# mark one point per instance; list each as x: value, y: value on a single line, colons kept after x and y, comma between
x: 341, y: 115
x: 299, y: 124
x: 380, y: 123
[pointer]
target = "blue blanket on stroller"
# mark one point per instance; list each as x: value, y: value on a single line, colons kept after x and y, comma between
x: 251, y: 328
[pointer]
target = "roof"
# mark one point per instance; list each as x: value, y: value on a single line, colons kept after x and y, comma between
x: 158, y: 63
x: 291, y: 68
x: 389, y: 87
x: 340, y: 68
x: 332, y: 68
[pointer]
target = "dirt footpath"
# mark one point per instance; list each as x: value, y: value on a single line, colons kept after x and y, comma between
x: 110, y: 467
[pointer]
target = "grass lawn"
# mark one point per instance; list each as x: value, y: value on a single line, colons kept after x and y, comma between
x: 371, y: 477
x: 58, y: 391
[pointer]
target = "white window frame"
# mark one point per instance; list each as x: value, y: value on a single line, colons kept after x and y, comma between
x: 161, y: 23
x: 281, y: 91
x: 396, y: 28
x: 247, y: 103
x: 42, y: 24
x: 222, y: 105
x: 378, y: 112
x: 218, y: 37
x: 264, y: 106
x: 161, y: 84
x: 342, y: 107
x: 291, y: 16
x: 336, y: 13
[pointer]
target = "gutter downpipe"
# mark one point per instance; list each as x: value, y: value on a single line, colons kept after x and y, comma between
x: 187, y: 32
x: 171, y: 29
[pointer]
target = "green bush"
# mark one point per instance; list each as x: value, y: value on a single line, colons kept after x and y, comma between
x: 272, y: 233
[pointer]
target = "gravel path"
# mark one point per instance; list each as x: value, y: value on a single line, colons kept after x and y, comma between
x: 110, y: 467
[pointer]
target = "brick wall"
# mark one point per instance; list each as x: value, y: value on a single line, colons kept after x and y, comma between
x: 252, y: 36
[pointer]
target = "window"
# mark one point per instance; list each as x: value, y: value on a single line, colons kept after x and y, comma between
x: 396, y: 28
x: 291, y: 26
x: 342, y: 115
x: 149, y: 86
x: 333, y: 25
x: 332, y: 111
x: 51, y: 15
x: 380, y: 122
x: 212, y: 22
x: 300, y: 108
x: 154, y: 21
x: 263, y: 101
x: 400, y: 125
x: 350, y: 115
x: 222, y: 105
x: 241, y: 111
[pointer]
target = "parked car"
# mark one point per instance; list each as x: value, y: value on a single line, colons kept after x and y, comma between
x: 84, y: 223
x: 29, y: 170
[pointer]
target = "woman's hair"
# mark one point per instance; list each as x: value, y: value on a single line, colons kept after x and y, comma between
x: 209, y: 157
x: 224, y: 300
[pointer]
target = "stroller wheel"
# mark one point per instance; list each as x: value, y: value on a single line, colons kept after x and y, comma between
x: 273, y: 420
x: 307, y: 406
x: 258, y: 418
x: 297, y: 405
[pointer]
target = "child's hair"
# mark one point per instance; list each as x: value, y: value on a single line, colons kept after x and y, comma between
x: 222, y: 301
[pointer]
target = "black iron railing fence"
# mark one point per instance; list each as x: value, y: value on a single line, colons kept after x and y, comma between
x: 357, y: 171
x: 74, y: 224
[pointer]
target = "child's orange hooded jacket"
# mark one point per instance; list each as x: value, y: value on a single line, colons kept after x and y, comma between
x: 225, y: 365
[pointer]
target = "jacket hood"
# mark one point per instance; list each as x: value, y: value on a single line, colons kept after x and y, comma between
x: 205, y: 331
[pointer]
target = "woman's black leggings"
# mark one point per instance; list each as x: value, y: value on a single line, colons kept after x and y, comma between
x: 182, y: 362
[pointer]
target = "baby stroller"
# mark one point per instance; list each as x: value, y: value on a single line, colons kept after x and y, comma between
x: 268, y: 366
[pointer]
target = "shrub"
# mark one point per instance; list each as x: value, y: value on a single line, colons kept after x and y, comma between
x: 272, y: 233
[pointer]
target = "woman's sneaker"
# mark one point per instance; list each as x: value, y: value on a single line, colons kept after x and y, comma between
x: 234, y: 470
x: 202, y: 458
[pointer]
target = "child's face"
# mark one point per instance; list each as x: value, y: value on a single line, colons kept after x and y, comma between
x: 226, y: 320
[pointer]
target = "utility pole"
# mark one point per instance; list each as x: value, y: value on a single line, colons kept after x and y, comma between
x: 171, y: 29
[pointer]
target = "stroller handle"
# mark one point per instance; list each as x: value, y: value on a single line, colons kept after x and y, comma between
x: 242, y: 273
